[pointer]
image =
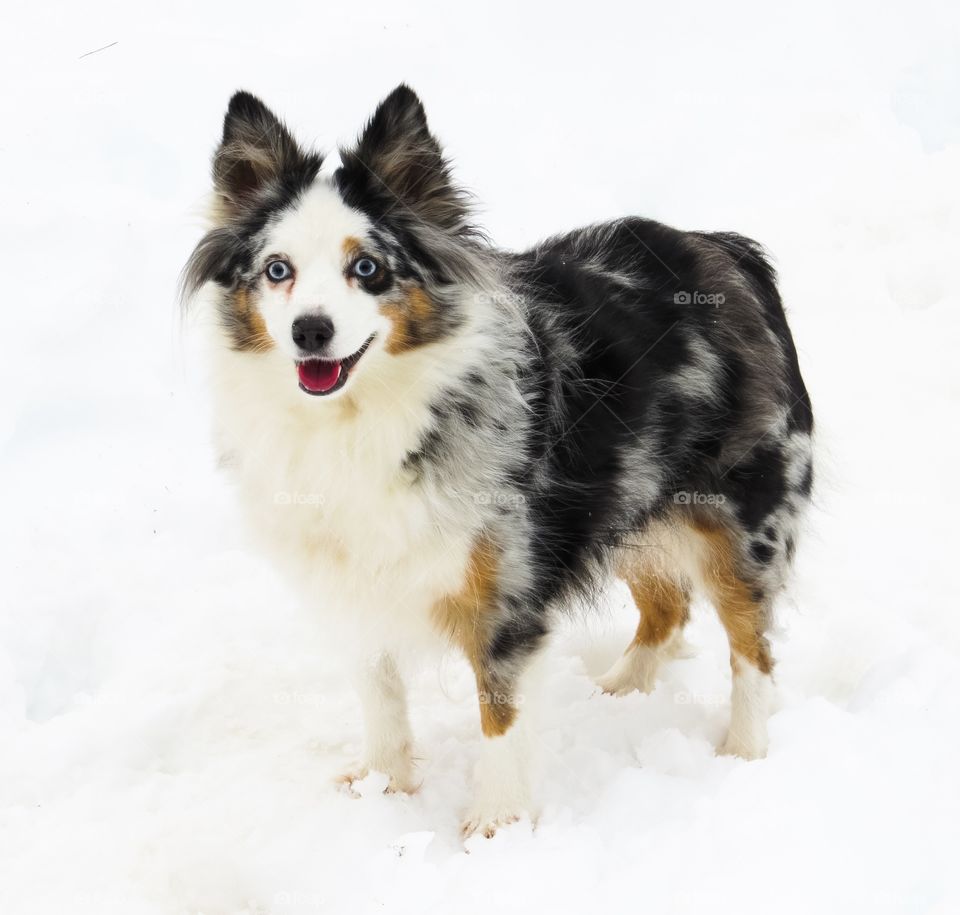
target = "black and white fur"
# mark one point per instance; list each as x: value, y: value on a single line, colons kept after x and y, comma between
x: 618, y: 397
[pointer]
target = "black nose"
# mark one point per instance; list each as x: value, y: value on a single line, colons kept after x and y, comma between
x: 312, y: 333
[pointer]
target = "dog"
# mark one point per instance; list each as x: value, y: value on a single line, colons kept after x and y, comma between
x: 441, y: 442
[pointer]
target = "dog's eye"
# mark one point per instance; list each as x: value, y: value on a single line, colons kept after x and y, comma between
x: 278, y: 271
x: 365, y: 267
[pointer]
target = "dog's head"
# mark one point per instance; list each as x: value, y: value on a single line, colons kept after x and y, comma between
x: 334, y: 274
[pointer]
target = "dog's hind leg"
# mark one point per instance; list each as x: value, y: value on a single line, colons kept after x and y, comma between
x: 744, y: 610
x: 664, y: 605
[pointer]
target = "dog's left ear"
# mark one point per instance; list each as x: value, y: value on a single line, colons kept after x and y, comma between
x: 397, y: 168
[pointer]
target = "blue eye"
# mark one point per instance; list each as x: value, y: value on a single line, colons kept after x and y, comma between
x: 365, y: 267
x: 278, y: 271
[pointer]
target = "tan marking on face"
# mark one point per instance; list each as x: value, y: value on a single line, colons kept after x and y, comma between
x: 352, y: 249
x: 741, y: 615
x: 246, y: 324
x: 412, y: 316
x: 466, y: 617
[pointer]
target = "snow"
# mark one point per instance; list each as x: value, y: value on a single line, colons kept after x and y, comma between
x: 170, y: 716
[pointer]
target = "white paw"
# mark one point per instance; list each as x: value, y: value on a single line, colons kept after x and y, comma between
x: 753, y: 747
x: 398, y: 768
x: 485, y: 820
x: 636, y: 670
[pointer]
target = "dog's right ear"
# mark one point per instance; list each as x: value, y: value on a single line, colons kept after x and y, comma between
x: 256, y: 155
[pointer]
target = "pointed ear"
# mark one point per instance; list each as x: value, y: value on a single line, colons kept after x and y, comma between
x: 256, y: 155
x: 397, y: 168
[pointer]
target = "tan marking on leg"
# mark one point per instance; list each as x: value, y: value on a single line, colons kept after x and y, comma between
x: 412, y: 316
x: 663, y: 604
x: 497, y: 713
x: 741, y: 615
x: 466, y: 617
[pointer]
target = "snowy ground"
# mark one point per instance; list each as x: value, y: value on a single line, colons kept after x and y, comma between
x: 169, y: 718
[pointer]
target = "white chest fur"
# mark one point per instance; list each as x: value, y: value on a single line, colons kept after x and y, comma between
x: 328, y: 496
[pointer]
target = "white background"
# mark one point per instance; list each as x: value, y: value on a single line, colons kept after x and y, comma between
x: 169, y: 718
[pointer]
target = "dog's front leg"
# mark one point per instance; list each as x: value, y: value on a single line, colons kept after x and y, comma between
x: 506, y: 691
x: 388, y: 742
x: 501, y: 635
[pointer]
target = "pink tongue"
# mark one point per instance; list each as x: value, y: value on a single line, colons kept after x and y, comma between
x: 318, y: 376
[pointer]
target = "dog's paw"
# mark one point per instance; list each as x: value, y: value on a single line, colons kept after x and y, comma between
x: 753, y: 748
x: 633, y: 671
x: 636, y: 669
x: 399, y: 771
x: 486, y: 821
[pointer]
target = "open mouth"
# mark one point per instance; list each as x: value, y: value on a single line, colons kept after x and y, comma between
x: 324, y: 376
